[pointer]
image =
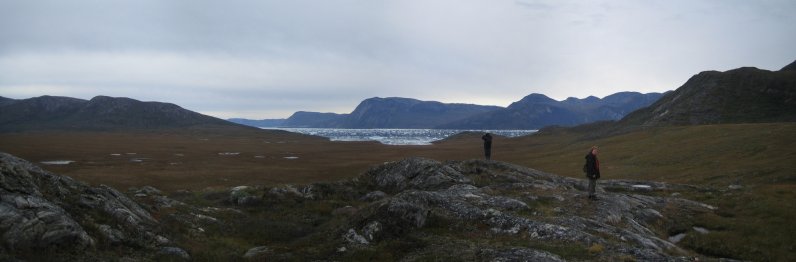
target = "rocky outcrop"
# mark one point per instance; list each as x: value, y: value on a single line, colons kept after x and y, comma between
x: 413, y: 209
x: 242, y: 196
x: 257, y: 253
x: 173, y: 254
x: 416, y: 173
x: 40, y: 210
x: 514, y: 202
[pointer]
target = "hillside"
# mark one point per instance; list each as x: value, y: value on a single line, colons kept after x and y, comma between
x: 789, y: 67
x: 258, y: 123
x: 101, y: 113
x: 743, y: 95
x: 536, y: 111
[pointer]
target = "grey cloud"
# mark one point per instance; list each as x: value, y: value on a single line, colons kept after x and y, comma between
x: 273, y: 57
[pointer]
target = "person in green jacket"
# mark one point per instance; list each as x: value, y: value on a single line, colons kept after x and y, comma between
x: 592, y: 169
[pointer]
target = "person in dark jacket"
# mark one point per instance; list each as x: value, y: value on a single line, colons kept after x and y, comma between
x: 592, y: 171
x: 487, y: 145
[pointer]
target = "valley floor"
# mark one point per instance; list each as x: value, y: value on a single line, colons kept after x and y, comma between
x: 747, y: 169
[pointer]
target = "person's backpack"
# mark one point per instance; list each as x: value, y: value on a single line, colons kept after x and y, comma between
x: 585, y: 168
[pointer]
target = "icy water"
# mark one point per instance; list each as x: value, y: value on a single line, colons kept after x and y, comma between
x: 396, y: 136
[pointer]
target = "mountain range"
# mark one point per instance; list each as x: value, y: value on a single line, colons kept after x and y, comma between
x: 101, y: 113
x: 743, y: 95
x: 536, y: 111
x: 532, y: 112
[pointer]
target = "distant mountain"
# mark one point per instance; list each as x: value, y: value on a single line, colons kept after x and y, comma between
x: 101, y: 113
x: 743, y: 95
x: 311, y: 119
x: 258, y: 123
x: 390, y: 112
x: 536, y: 111
x: 5, y: 100
x: 789, y: 67
x: 395, y: 112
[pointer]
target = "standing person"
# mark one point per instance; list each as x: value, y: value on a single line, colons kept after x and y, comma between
x: 487, y: 145
x: 592, y: 169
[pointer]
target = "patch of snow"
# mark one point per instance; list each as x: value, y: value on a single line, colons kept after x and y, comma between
x: 291, y: 157
x: 471, y: 195
x: 352, y: 237
x: 701, y: 230
x: 707, y: 206
x: 259, y: 156
x: 58, y: 162
x: 642, y: 186
x: 238, y: 188
x: 663, y: 114
x: 228, y: 153
x: 116, y: 154
x: 677, y: 238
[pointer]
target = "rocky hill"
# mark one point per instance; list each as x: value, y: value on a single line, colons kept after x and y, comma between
x: 536, y: 111
x: 395, y: 112
x: 312, y: 119
x: 100, y: 113
x: 412, y: 210
x: 743, y: 95
x: 390, y: 112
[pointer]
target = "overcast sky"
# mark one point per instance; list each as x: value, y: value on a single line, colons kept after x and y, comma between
x: 268, y: 59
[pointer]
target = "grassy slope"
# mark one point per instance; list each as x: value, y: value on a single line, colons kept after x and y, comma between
x: 754, y: 223
x: 711, y: 154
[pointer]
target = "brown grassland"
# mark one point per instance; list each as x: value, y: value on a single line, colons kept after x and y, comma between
x: 754, y: 222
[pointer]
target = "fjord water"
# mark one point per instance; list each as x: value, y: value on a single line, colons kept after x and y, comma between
x: 396, y: 136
